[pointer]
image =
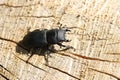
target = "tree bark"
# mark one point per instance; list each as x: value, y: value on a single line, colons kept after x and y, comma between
x: 95, y: 35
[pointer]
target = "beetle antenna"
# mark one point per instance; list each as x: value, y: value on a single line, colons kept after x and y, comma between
x: 75, y: 27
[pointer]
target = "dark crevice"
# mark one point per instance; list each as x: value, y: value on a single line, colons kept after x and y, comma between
x: 73, y: 55
x: 113, y: 43
x: 32, y: 16
x: 113, y: 53
x: 90, y: 58
x: 16, y: 6
x: 30, y: 63
x: 63, y: 72
x: 14, y: 42
x: 66, y: 55
x: 8, y: 72
x: 6, y: 69
x: 4, y: 76
x: 106, y: 73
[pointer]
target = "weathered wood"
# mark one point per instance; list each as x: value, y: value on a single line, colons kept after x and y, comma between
x: 96, y: 39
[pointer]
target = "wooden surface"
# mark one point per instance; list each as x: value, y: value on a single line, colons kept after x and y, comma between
x: 96, y: 39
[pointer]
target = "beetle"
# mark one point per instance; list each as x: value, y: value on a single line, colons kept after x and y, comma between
x: 45, y: 39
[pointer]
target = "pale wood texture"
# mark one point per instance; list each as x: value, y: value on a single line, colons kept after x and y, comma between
x: 96, y: 39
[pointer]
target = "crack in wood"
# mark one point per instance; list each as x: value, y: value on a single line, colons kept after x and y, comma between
x: 113, y: 43
x: 105, y: 73
x: 63, y: 72
x: 8, y: 72
x: 4, y: 77
x: 14, y: 42
x: 73, y: 55
x: 16, y: 6
x: 52, y: 16
x: 90, y: 58
x: 30, y: 63
x: 6, y: 69
x: 113, y: 53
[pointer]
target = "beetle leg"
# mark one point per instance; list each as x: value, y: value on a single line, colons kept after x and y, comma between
x: 67, y: 47
x: 46, y: 58
x: 51, y: 49
x: 67, y: 30
x: 67, y: 40
x: 60, y: 44
x: 31, y: 54
x: 29, y: 58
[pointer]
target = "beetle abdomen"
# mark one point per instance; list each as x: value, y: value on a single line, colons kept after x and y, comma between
x: 35, y: 39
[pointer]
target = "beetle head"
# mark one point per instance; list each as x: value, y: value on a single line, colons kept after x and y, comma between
x: 61, y: 35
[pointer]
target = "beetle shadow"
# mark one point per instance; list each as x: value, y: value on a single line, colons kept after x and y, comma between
x: 20, y: 49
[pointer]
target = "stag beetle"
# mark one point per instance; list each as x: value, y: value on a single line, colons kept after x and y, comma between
x: 44, y: 39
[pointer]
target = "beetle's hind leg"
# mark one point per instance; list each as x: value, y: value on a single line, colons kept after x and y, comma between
x: 50, y: 49
x: 46, y: 58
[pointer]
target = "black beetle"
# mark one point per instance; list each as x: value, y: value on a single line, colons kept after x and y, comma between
x: 44, y: 39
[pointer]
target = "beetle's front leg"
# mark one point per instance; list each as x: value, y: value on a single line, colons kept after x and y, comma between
x: 67, y: 40
x: 60, y: 44
x: 66, y: 47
